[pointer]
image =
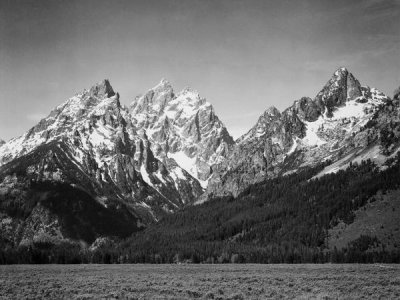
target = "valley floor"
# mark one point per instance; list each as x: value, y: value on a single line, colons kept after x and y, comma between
x: 303, y: 281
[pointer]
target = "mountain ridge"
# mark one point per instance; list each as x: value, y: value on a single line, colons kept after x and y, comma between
x: 167, y: 151
x: 108, y: 154
x: 307, y: 132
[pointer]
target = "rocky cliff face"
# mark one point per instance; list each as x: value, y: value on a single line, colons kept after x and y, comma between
x: 148, y: 160
x: 182, y: 127
x: 344, y: 123
x: 396, y: 94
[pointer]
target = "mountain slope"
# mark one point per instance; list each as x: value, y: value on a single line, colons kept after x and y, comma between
x: 94, y: 144
x: 378, y: 219
x: 106, y: 147
x: 289, y: 219
x: 345, y: 122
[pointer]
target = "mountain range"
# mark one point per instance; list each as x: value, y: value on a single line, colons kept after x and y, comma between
x: 333, y: 126
x: 95, y: 169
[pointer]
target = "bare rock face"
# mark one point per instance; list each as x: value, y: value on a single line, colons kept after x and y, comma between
x: 102, y: 90
x: 353, y: 87
x: 306, y: 109
x: 182, y: 127
x: 257, y: 153
x: 340, y: 88
x: 396, y: 94
x: 340, y: 124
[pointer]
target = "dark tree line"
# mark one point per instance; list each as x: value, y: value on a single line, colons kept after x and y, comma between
x: 282, y: 220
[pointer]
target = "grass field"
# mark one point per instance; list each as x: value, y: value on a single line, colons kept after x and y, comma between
x: 200, y: 281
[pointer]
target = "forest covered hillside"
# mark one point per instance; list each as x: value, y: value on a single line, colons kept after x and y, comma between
x: 290, y: 219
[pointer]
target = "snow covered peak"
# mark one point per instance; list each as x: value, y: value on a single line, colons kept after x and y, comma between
x: 343, y: 122
x: 342, y: 87
x: 182, y: 127
x: 162, y: 99
x: 103, y: 148
x: 266, y: 124
x: 96, y: 101
x: 339, y: 77
x: 154, y: 100
x: 342, y: 104
x: 190, y: 97
x: 164, y: 84
x: 77, y: 114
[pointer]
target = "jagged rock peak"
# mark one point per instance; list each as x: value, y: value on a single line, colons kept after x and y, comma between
x: 353, y: 86
x: 164, y: 86
x: 341, y: 71
x: 102, y: 89
x: 343, y: 79
x: 164, y: 82
x: 272, y: 111
x: 342, y: 87
x: 330, y: 127
x: 267, y: 120
x: 155, y: 98
x: 2, y: 142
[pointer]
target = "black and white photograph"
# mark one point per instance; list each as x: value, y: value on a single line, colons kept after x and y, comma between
x: 200, y: 149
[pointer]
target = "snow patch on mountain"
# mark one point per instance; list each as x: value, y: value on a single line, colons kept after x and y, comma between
x: 312, y: 138
x: 145, y: 175
x: 294, y: 147
x: 185, y: 162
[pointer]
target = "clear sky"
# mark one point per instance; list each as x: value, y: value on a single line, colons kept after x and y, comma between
x: 243, y: 56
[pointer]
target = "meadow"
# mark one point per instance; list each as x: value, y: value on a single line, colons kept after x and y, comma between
x: 230, y: 281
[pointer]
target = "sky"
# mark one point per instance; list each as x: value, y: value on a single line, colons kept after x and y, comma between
x: 241, y: 55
